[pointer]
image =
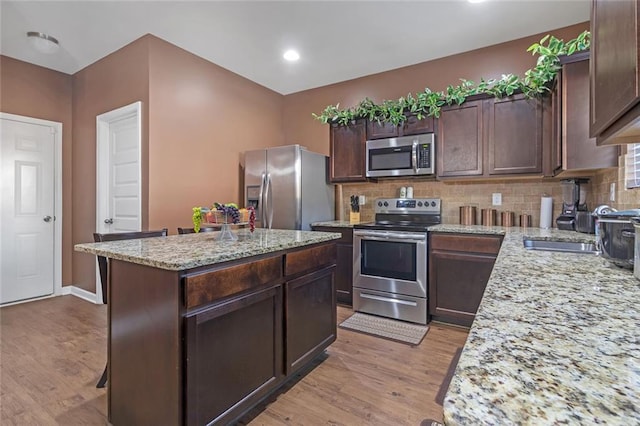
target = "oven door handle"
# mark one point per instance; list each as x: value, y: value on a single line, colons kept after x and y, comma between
x: 388, y: 299
x: 391, y: 236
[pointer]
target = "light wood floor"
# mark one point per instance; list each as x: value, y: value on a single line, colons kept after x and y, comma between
x: 53, y: 351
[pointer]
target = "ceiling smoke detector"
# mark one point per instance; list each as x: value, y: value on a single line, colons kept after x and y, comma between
x: 43, y: 43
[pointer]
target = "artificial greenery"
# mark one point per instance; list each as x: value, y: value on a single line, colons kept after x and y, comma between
x: 535, y: 83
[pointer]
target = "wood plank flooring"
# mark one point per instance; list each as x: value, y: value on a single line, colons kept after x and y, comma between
x: 53, y: 351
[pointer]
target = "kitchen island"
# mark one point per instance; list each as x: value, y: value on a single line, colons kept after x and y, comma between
x: 555, y: 339
x: 201, y: 330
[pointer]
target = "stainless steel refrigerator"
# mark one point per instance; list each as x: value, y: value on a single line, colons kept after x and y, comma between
x: 288, y: 186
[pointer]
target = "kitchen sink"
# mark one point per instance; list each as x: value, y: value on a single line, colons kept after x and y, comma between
x: 560, y: 246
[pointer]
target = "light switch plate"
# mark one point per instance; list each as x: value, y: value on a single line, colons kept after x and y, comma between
x: 496, y: 199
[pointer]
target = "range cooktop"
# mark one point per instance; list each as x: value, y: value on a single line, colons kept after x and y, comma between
x: 405, y: 214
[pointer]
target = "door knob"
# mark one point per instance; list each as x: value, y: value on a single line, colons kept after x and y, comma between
x: 47, y: 218
x: 108, y: 221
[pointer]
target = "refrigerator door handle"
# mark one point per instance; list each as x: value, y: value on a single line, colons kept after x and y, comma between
x: 261, y: 200
x: 268, y: 191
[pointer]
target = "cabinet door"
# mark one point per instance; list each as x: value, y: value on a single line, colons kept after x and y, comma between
x: 344, y: 263
x: 347, y: 146
x: 614, y: 61
x: 514, y: 135
x: 456, y: 284
x: 233, y: 355
x: 310, y: 317
x: 413, y: 126
x: 579, y: 150
x: 344, y: 274
x: 459, y: 144
x: 382, y: 130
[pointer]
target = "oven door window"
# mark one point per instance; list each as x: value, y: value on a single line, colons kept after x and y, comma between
x: 389, y: 259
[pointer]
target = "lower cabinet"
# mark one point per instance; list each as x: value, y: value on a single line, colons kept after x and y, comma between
x: 310, y: 317
x: 459, y: 269
x: 233, y: 355
x: 344, y: 263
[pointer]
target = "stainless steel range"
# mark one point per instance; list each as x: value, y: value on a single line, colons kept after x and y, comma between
x: 390, y: 259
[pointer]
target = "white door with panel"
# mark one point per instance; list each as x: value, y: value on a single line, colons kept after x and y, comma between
x: 119, y: 173
x: 27, y: 213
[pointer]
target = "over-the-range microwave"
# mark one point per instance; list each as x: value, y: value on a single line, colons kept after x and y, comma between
x: 402, y: 156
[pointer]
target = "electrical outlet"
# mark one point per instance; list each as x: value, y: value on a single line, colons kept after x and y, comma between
x: 612, y: 192
x: 496, y: 199
x: 361, y: 200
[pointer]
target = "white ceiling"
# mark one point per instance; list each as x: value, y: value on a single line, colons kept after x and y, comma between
x: 337, y: 40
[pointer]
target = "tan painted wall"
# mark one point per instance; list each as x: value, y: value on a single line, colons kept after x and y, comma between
x: 114, y: 81
x: 624, y: 198
x: 202, y: 118
x: 33, y: 91
x: 489, y: 62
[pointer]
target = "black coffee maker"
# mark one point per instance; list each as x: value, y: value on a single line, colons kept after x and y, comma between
x: 574, y: 194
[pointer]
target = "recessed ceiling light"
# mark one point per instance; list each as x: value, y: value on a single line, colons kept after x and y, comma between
x: 475, y: 1
x: 43, y: 42
x: 291, y: 55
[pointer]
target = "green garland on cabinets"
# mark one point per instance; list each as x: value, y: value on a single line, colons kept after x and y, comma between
x: 535, y: 83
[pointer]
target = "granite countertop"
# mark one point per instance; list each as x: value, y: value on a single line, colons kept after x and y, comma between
x: 180, y: 252
x: 334, y: 224
x: 555, y: 340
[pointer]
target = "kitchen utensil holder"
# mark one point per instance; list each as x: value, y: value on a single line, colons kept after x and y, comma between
x: 467, y: 215
x: 488, y: 217
x: 354, y: 217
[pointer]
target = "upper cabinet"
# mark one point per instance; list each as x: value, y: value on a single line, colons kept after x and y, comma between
x: 515, y: 131
x: 460, y: 140
x: 492, y: 137
x: 574, y: 151
x: 615, y: 72
x: 411, y: 126
x: 347, y: 150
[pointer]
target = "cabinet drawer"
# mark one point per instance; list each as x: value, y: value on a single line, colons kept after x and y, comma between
x: 310, y: 259
x: 347, y: 233
x: 209, y: 286
x: 466, y: 243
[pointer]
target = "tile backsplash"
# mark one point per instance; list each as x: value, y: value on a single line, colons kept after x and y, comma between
x: 519, y: 196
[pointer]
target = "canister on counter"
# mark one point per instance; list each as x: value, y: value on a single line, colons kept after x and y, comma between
x: 525, y: 220
x: 488, y: 217
x: 467, y: 215
x: 507, y: 219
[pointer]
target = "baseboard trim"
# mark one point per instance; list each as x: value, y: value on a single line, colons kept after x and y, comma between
x: 81, y: 293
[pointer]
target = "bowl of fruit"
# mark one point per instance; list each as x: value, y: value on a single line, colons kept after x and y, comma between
x: 223, y: 215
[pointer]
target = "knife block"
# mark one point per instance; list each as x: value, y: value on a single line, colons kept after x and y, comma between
x: 354, y: 217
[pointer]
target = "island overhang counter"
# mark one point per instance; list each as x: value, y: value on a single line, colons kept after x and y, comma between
x: 201, y: 330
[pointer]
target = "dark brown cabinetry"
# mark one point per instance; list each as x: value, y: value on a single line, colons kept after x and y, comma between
x: 344, y: 263
x: 459, y: 269
x: 310, y: 321
x: 205, y: 345
x: 411, y: 126
x: 615, y: 71
x: 249, y: 328
x: 574, y: 151
x: 460, y: 140
x: 347, y: 152
x: 492, y: 137
x: 514, y: 129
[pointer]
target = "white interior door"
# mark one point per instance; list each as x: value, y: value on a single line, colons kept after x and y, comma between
x: 119, y: 170
x: 27, y: 212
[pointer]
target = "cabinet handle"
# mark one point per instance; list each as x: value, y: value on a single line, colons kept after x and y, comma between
x: 388, y: 299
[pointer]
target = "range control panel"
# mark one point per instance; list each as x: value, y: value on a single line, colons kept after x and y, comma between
x: 408, y: 205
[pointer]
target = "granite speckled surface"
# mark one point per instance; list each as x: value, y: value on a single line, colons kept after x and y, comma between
x: 334, y: 224
x: 180, y: 252
x: 555, y: 341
